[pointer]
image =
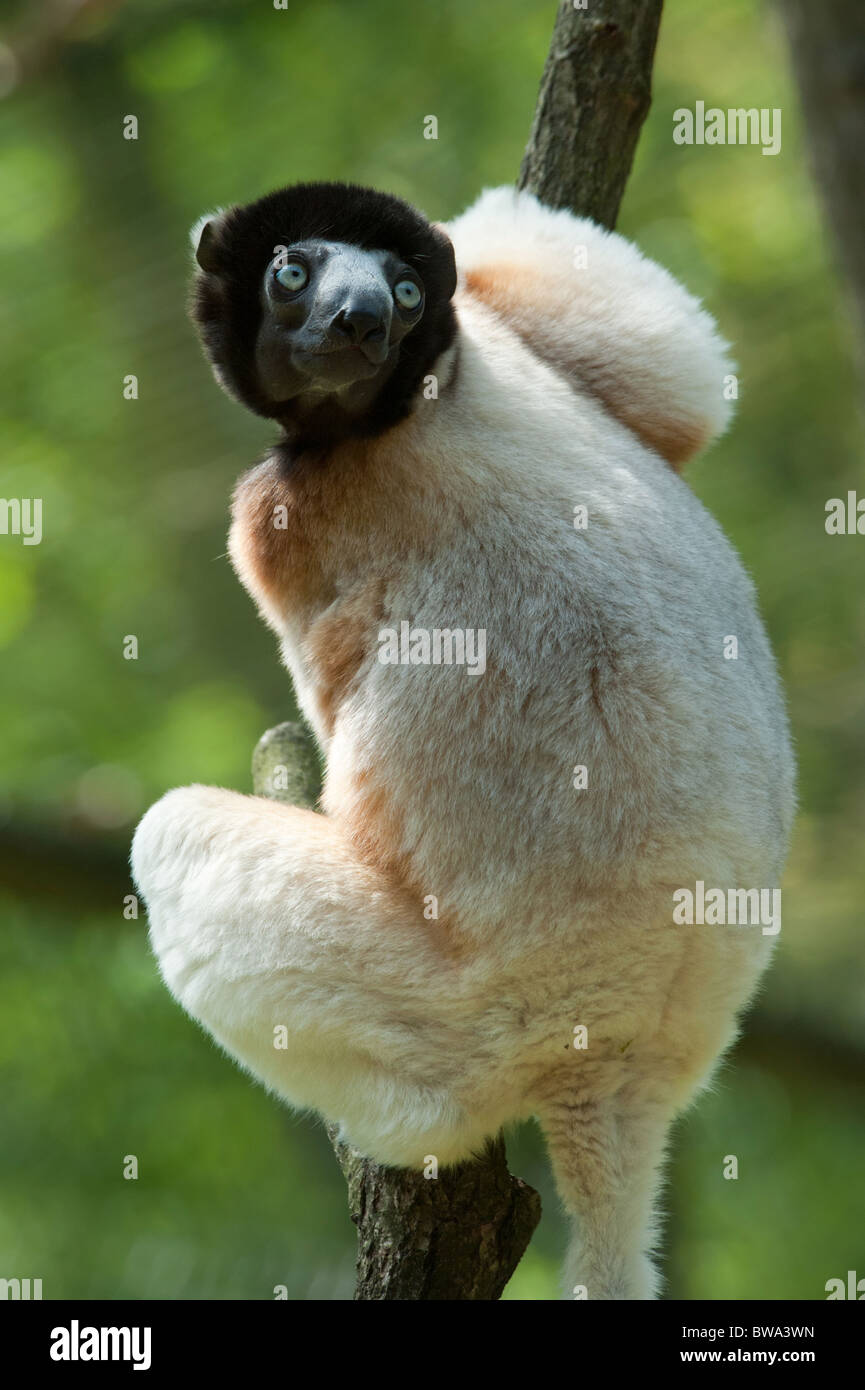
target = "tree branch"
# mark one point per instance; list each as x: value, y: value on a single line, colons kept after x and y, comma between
x: 827, y: 43
x: 595, y: 94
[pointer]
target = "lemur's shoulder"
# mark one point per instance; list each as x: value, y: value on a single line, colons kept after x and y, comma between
x: 611, y: 321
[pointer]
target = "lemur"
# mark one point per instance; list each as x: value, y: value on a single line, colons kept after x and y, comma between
x: 480, y: 431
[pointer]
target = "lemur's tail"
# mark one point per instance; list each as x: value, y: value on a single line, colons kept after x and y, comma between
x: 606, y: 1157
x: 615, y: 324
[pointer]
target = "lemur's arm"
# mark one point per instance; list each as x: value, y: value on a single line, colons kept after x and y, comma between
x: 614, y: 323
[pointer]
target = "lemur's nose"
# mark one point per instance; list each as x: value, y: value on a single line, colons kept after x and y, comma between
x: 360, y: 324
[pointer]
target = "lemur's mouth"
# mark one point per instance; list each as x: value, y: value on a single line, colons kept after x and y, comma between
x: 374, y: 353
x: 337, y: 347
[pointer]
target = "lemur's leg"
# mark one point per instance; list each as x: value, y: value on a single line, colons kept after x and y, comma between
x: 606, y: 1156
x: 311, y: 968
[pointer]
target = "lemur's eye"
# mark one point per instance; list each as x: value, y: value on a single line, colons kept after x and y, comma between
x: 293, y: 275
x: 407, y: 294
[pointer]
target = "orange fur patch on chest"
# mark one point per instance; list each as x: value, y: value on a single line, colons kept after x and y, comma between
x: 315, y: 553
x: 270, y: 545
x: 291, y: 534
x: 339, y: 641
x: 300, y: 540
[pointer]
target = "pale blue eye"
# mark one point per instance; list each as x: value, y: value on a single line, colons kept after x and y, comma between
x: 407, y: 294
x: 292, y: 276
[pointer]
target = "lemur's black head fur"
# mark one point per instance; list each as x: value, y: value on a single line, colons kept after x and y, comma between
x: 323, y: 305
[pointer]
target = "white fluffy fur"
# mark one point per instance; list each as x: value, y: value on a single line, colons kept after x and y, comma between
x: 604, y: 648
x: 621, y: 326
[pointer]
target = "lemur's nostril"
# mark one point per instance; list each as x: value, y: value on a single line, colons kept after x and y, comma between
x: 360, y: 325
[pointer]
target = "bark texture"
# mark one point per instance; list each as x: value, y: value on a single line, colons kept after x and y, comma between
x: 827, y: 43
x: 595, y: 94
x: 458, y: 1236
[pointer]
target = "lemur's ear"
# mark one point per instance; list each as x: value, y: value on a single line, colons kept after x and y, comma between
x: 205, y: 240
x: 448, y: 260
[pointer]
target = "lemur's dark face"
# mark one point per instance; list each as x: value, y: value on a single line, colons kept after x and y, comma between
x: 333, y: 317
x: 323, y: 306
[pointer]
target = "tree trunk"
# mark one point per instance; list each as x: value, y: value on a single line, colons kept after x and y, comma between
x: 461, y: 1235
x: 595, y: 94
x: 827, y: 42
